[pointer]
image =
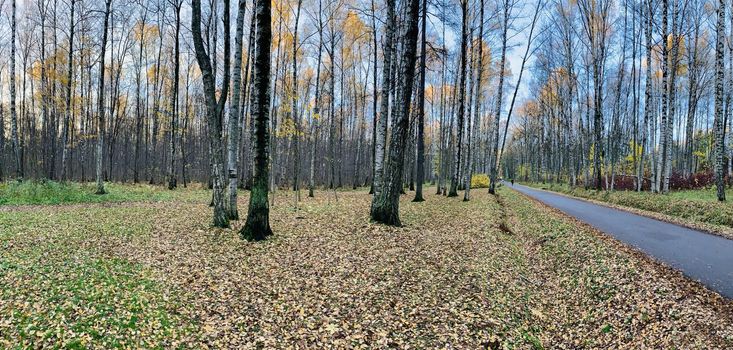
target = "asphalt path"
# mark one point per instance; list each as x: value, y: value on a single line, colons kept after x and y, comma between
x: 699, y: 255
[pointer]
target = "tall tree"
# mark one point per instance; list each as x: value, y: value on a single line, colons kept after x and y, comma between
x: 100, y: 100
x: 479, y: 100
x: 235, y: 117
x: 568, y: 43
x: 664, y: 143
x: 385, y: 206
x: 499, y: 95
x: 453, y: 192
x: 381, y: 138
x: 13, y: 112
x: 67, y: 112
x: 317, y: 105
x: 294, y: 112
x: 214, y: 106
x: 692, y: 99
x: 172, y: 183
x: 138, y: 98
x: 43, y: 12
x: 596, y: 29
x: 674, y: 43
x: 421, y: 109
x: 257, y: 226
x: 719, y: 126
x: 647, y: 93
x: 375, y: 95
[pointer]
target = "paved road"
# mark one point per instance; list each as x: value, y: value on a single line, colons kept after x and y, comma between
x: 699, y: 255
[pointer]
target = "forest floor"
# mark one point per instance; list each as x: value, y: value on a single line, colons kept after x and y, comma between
x: 697, y: 209
x: 495, y: 272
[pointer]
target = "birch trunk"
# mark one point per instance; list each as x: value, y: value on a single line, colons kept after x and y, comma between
x: 499, y: 98
x: 385, y: 206
x: 257, y: 226
x: 214, y: 108
x: 662, y: 164
x: 672, y: 97
x: 647, y: 98
x: 317, y: 106
x: 67, y: 112
x: 421, y: 110
x: 719, y: 126
x: 174, y: 100
x: 381, y: 139
x: 100, y: 102
x: 235, y: 117
x: 375, y: 93
x: 294, y: 112
x: 479, y: 99
x: 453, y: 192
x: 13, y: 112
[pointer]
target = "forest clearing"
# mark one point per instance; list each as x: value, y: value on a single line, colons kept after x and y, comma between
x: 155, y: 274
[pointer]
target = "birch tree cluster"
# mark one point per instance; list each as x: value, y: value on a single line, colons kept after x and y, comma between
x: 322, y: 95
x: 631, y: 95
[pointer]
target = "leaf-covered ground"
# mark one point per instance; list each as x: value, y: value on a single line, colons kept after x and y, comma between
x: 488, y: 273
x: 698, y: 209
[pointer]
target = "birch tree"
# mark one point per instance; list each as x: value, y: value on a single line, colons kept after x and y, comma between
x: 13, y: 112
x: 455, y: 178
x: 67, y: 112
x: 385, y: 203
x: 421, y: 109
x: 719, y: 126
x: 100, y: 100
x: 257, y: 226
x: 381, y: 138
x: 235, y: 117
x: 505, y: 10
x: 214, y: 106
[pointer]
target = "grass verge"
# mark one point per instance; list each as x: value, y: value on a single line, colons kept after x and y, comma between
x: 52, y: 192
x: 698, y: 209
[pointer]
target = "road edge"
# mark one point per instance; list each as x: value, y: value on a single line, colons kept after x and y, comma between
x: 693, y: 286
x: 715, y: 230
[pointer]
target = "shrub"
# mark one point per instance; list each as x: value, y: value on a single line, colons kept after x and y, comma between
x: 697, y: 180
x: 624, y: 183
x: 677, y: 181
x: 480, y: 181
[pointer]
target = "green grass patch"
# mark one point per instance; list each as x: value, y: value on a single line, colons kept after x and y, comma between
x: 61, y: 286
x: 52, y: 192
x: 110, y: 303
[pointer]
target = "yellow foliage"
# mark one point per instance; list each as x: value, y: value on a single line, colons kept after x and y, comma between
x: 145, y: 31
x: 636, y: 150
x: 480, y: 181
x: 354, y: 27
x: 280, y: 9
x: 530, y: 107
x: 287, y: 128
x: 429, y: 92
